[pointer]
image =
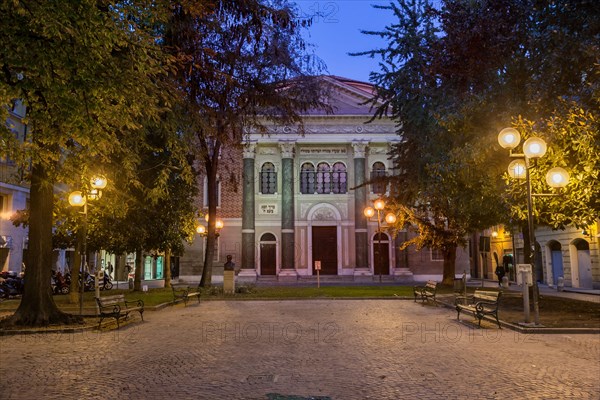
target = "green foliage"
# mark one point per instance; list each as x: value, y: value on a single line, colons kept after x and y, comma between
x: 573, y: 137
x: 89, y: 74
x: 445, y: 190
x: 453, y: 74
x: 240, y: 65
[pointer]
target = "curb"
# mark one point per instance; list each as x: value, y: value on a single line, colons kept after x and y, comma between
x: 80, y: 328
x: 534, y: 329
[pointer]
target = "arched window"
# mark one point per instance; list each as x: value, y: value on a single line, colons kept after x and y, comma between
x: 268, y: 179
x: 323, y: 178
x: 307, y: 178
x: 338, y: 178
x: 378, y: 172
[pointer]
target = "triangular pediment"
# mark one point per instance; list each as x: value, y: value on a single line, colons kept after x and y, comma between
x: 347, y: 97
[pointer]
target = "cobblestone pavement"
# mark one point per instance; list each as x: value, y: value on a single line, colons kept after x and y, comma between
x: 343, y: 349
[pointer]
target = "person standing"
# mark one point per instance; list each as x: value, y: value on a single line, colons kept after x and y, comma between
x: 500, y: 272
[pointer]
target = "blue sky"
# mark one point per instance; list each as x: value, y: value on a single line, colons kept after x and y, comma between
x: 336, y: 32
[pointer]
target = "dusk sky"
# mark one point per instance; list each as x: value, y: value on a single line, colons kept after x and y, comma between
x: 336, y: 31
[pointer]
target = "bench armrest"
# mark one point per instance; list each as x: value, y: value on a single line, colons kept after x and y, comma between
x: 180, y: 292
x: 138, y: 303
x: 481, y: 304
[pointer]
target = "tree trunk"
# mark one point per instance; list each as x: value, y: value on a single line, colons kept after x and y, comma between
x: 211, y: 165
x: 168, y: 268
x: 449, y: 252
x: 37, y: 307
x: 139, y: 265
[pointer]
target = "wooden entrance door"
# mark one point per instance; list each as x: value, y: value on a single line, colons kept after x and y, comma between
x: 268, y: 254
x: 381, y: 255
x: 324, y: 249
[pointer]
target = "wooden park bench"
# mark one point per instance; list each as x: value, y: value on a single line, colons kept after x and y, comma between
x: 426, y: 292
x: 117, y: 307
x: 481, y: 303
x: 184, y: 294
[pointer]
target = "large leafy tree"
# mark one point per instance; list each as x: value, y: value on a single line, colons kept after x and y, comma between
x: 87, y: 73
x: 456, y: 72
x: 241, y: 65
x: 444, y: 193
x: 156, y: 212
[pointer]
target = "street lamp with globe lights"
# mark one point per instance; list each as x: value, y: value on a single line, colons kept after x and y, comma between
x: 202, y: 230
x: 390, y: 218
x: 80, y: 198
x: 557, y: 177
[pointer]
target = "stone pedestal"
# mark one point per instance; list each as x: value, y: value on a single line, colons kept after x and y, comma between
x: 228, y: 282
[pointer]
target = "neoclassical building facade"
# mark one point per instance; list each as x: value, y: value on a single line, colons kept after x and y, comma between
x: 297, y: 197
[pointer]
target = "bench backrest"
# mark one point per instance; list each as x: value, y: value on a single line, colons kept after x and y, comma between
x: 431, y: 285
x: 486, y: 295
x: 110, y: 300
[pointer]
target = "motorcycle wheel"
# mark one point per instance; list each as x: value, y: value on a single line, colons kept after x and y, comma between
x: 108, y: 286
x: 65, y: 290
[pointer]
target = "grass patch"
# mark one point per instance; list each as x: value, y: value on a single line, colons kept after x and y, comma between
x: 326, y: 292
x: 154, y: 297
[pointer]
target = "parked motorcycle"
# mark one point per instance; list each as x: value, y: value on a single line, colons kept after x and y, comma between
x: 59, y: 284
x: 106, y: 283
x: 11, y: 284
x: 89, y: 282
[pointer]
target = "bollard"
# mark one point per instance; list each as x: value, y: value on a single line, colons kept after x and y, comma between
x: 560, y: 284
x: 505, y: 283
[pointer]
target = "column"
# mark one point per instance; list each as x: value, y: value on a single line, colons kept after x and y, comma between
x: 288, y: 267
x: 248, y: 267
x: 360, y: 202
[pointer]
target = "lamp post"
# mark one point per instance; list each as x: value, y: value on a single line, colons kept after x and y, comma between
x: 390, y: 218
x: 534, y: 147
x: 80, y: 198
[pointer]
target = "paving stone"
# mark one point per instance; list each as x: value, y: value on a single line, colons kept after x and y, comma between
x: 345, y: 349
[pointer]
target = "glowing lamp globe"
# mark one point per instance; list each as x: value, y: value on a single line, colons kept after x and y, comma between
x: 98, y: 182
x: 390, y: 218
x: 509, y: 138
x: 557, y: 177
x: 77, y: 199
x: 517, y: 169
x: 369, y: 212
x: 534, y: 147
